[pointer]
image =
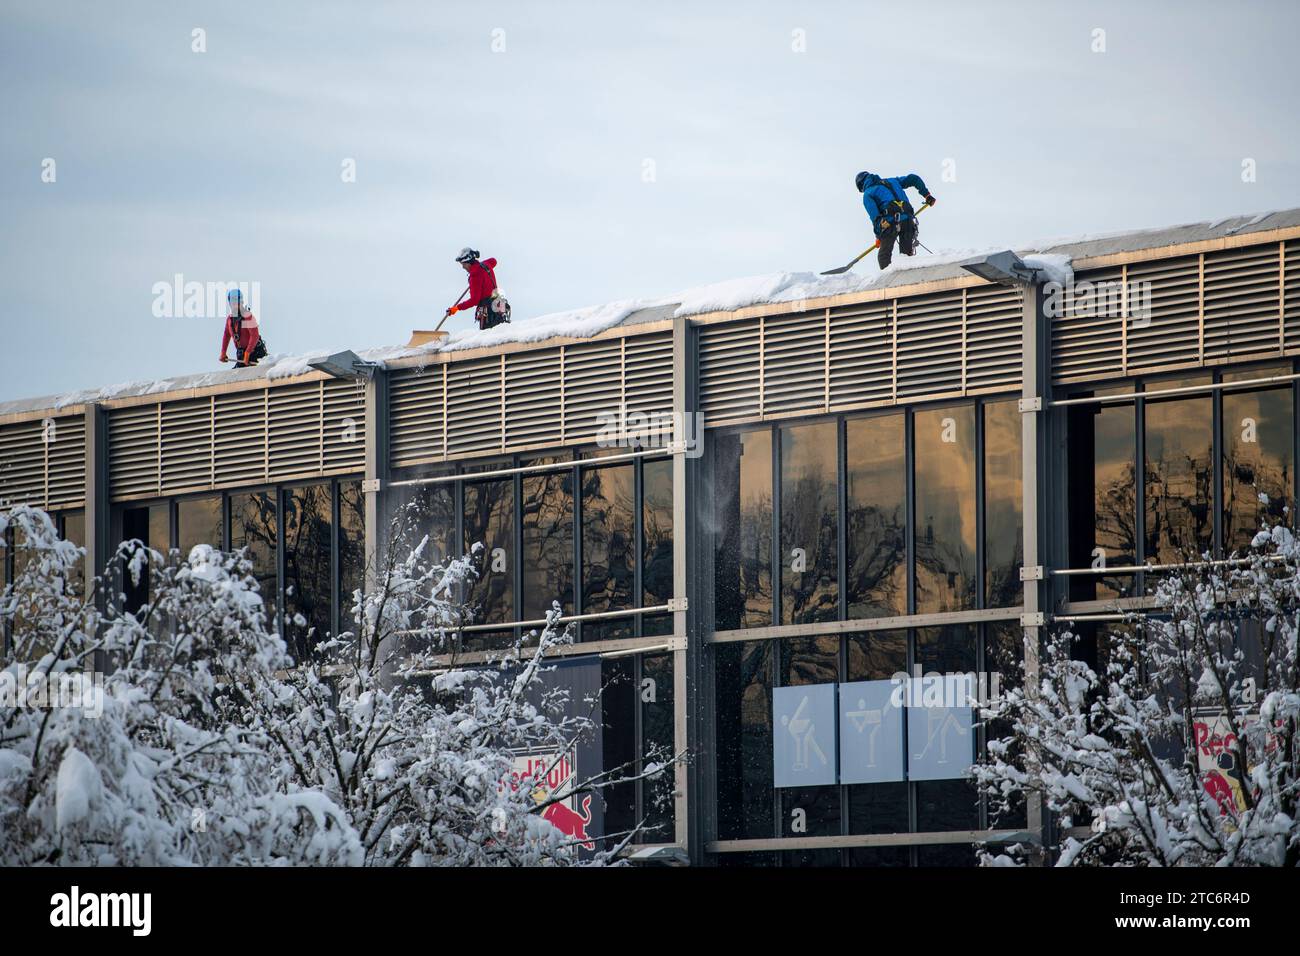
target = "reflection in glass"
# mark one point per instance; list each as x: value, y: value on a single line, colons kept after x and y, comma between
x: 74, y: 530
x: 657, y: 532
x: 198, y: 522
x: 608, y: 549
x: 809, y: 524
x: 1004, y: 544
x: 877, y: 525
x: 151, y: 526
x: 1102, y: 489
x: 489, y: 521
x: 1179, y: 479
x: 427, y: 512
x: 811, y: 660
x: 308, y: 588
x: 618, y: 745
x: 743, y: 501
x: 945, y: 508
x: 352, y: 550
x: 744, y: 739
x: 658, y: 742
x: 547, y: 514
x: 253, y: 526
x: 878, y: 807
x: 1257, y: 460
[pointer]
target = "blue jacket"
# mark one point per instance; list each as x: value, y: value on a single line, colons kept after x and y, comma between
x: 877, y: 195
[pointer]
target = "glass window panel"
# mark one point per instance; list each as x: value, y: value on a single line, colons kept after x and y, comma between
x: 1258, y: 459
x: 743, y: 739
x: 946, y: 805
x: 743, y: 502
x: 894, y: 856
x: 489, y: 519
x: 308, y: 574
x: 74, y: 530
x: 1004, y: 544
x: 618, y: 745
x: 253, y: 526
x: 608, y: 549
x: 1179, y: 478
x: 1102, y: 492
x: 812, y: 660
x: 809, y: 524
x: 1004, y: 644
x: 945, y: 508
x: 657, y: 532
x: 151, y: 526
x: 946, y: 854
x: 427, y: 511
x: 658, y: 745
x: 946, y: 650
x: 547, y: 514
x: 198, y: 522
x: 878, y: 807
x: 877, y: 525
x: 352, y: 549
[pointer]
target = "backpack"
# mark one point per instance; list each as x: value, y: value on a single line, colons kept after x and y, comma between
x: 495, y: 311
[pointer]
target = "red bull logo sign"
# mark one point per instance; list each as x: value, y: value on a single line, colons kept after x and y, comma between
x: 550, y: 777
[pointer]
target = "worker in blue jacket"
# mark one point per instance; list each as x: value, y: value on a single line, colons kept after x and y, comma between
x: 892, y: 216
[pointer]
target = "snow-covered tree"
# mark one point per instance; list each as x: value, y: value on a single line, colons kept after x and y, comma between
x: 1175, y: 741
x: 193, y: 737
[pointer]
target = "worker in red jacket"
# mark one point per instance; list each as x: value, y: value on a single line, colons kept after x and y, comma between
x: 490, y: 307
x: 241, y: 326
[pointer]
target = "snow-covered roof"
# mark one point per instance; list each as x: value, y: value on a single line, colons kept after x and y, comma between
x: 1054, y: 255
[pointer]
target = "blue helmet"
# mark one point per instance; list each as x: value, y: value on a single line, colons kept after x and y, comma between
x: 235, y: 298
x: 860, y: 180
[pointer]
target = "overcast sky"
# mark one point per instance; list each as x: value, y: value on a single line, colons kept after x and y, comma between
x: 600, y: 151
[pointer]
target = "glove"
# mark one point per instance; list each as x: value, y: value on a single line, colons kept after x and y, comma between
x: 930, y: 200
x: 224, y: 358
x: 453, y: 310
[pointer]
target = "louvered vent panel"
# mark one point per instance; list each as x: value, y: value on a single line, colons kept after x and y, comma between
x: 133, y: 451
x: 861, y: 355
x: 1162, y: 303
x: 22, y: 464
x: 1088, y: 328
x: 66, y: 463
x: 343, y: 422
x: 240, y: 426
x: 929, y: 344
x: 415, y: 416
x: 729, y: 364
x: 294, y: 431
x: 794, y: 363
x: 187, y: 444
x: 533, y: 397
x: 474, y: 406
x: 648, y: 375
x: 994, y: 319
x: 593, y: 386
x: 1241, y: 302
x: 1291, y: 279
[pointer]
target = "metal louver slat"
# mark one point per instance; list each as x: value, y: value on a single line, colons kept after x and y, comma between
x: 416, y: 416
x: 133, y: 451
x: 1162, y: 306
x: 532, y: 396
x: 343, y: 426
x: 862, y: 353
x: 65, y: 463
x: 648, y: 376
x: 1088, y: 329
x: 730, y: 388
x: 929, y: 344
x: 994, y: 316
x: 186, y: 444
x: 22, y: 464
x: 794, y: 363
x: 1241, y: 302
x: 593, y: 387
x: 474, y: 406
x: 240, y: 437
x: 294, y: 431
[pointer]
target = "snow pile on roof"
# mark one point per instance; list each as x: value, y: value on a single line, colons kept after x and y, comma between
x: 575, y: 323
x: 1055, y: 266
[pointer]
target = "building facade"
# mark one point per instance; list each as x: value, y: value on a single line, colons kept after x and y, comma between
x: 915, y: 476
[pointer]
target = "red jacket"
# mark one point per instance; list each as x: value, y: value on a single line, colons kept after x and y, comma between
x: 248, y: 335
x: 482, y: 283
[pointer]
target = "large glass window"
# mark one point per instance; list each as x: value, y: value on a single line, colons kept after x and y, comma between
x: 489, y: 515
x: 657, y: 543
x: 877, y: 527
x: 743, y: 502
x: 547, y: 515
x: 198, y: 521
x: 1102, y: 490
x: 74, y: 530
x: 151, y: 526
x: 810, y: 811
x: 352, y: 549
x: 618, y: 745
x: 428, y: 512
x: 308, y: 584
x: 944, y: 530
x: 744, y: 739
x: 253, y: 526
x: 658, y: 745
x: 608, y: 549
x: 1258, y: 460
x: 878, y: 807
x: 1004, y: 543
x: 1179, y: 485
x: 809, y: 524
